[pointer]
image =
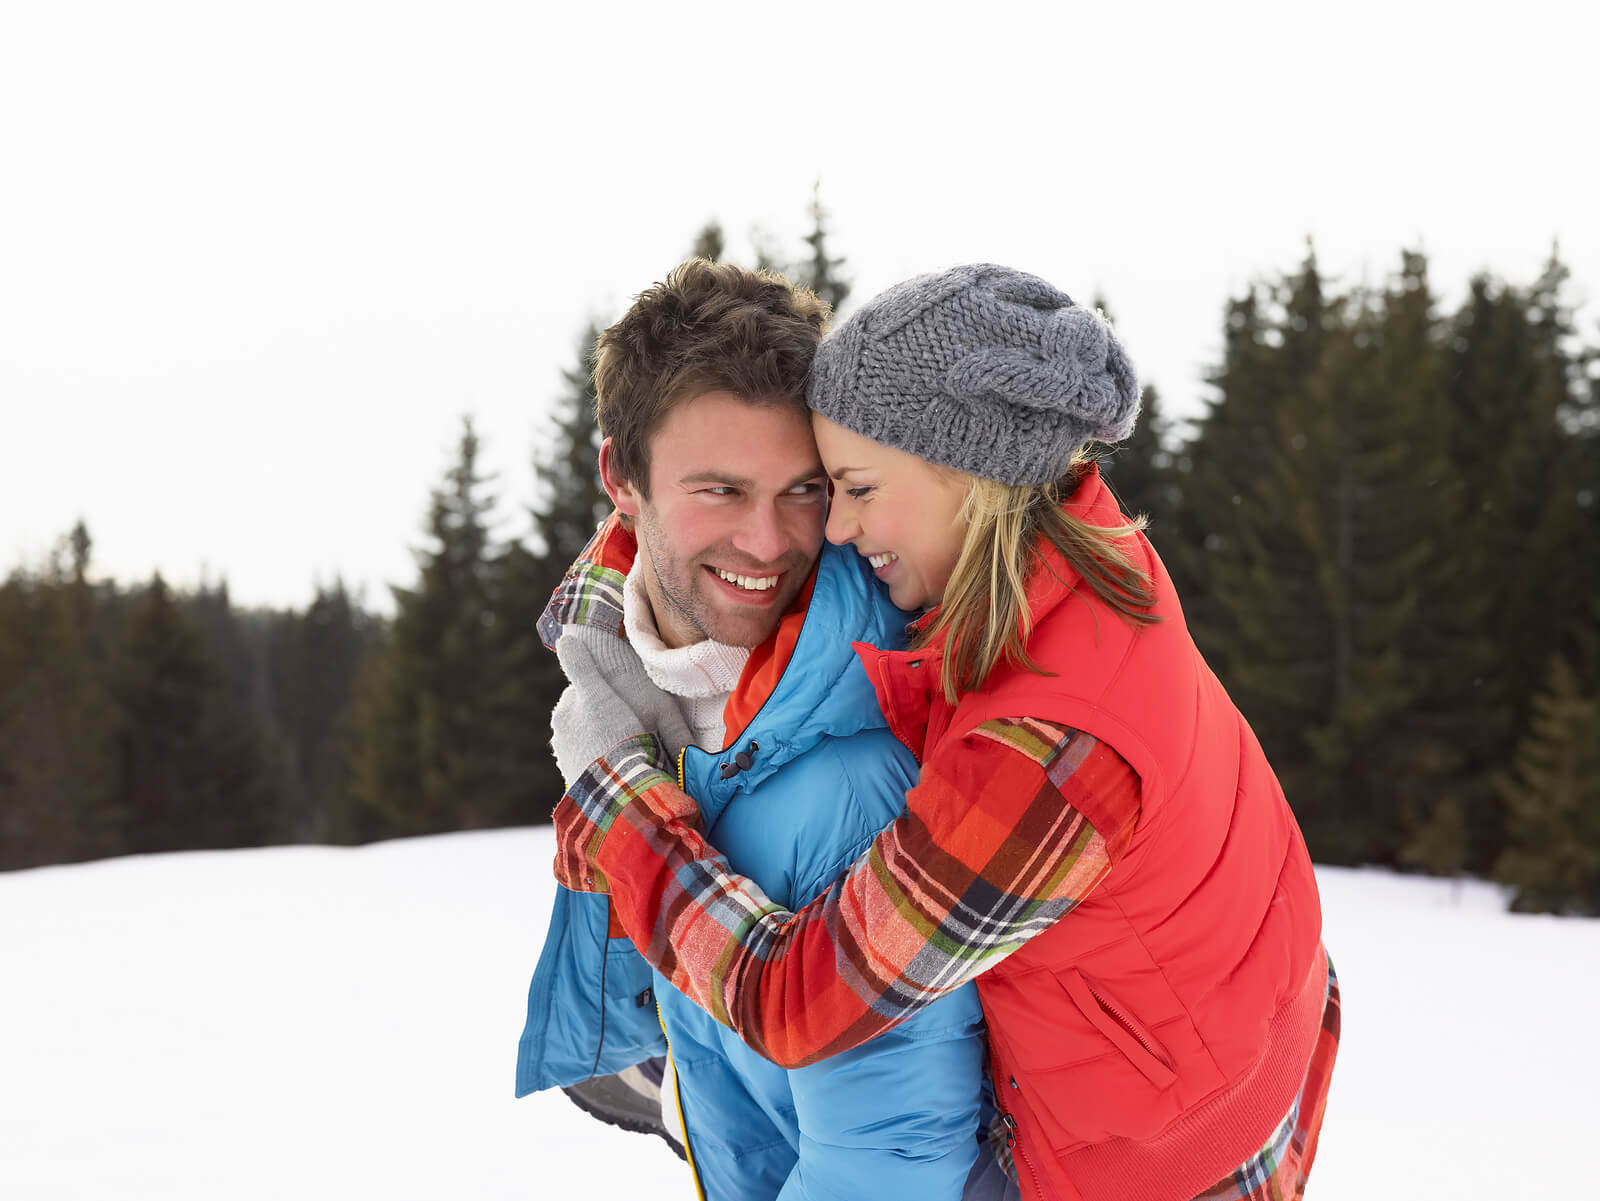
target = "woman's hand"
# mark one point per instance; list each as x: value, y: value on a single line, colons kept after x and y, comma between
x: 612, y: 725
x: 609, y: 700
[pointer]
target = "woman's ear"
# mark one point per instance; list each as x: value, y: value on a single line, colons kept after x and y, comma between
x: 623, y: 494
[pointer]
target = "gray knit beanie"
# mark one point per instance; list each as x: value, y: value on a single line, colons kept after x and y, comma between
x: 982, y: 368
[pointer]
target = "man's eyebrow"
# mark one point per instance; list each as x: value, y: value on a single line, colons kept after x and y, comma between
x: 715, y: 477
x: 723, y: 479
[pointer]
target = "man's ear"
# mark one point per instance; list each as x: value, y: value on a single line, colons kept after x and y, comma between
x: 622, y: 493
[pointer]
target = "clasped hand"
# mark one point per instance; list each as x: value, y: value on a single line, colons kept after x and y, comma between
x: 611, y: 713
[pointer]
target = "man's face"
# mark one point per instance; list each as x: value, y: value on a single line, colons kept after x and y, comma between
x: 738, y: 501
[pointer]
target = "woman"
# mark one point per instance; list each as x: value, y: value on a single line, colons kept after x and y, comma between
x: 1095, y: 835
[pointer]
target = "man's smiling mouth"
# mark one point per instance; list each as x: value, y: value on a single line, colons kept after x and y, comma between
x: 749, y: 583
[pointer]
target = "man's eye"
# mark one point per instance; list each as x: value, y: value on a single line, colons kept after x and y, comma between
x: 814, y: 488
x: 721, y: 490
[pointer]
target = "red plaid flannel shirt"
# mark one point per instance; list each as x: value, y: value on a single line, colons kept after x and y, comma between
x: 990, y: 852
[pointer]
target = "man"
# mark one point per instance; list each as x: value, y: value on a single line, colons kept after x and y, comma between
x: 714, y: 569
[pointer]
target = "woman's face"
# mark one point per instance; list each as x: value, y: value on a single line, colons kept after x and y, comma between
x: 898, y: 511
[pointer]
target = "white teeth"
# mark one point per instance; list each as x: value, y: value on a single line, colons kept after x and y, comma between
x: 885, y: 558
x: 749, y: 583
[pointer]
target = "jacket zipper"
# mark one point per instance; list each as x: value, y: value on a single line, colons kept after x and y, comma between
x: 677, y: 1080
x: 677, y: 1096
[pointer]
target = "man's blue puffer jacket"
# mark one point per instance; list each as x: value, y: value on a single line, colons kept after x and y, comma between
x: 897, y: 1117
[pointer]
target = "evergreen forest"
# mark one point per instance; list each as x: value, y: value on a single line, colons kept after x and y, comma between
x: 1384, y: 525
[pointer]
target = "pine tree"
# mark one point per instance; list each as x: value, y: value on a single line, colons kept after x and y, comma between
x: 709, y: 243
x: 1428, y: 794
x: 1376, y: 750
x: 1233, y: 442
x: 57, y: 785
x: 191, y: 771
x: 1253, y: 525
x: 1310, y: 528
x: 1567, y: 519
x: 316, y: 661
x: 1140, y: 469
x: 1518, y: 477
x: 532, y: 681
x: 424, y: 756
x: 819, y: 270
x: 1552, y: 796
x: 572, y: 505
x: 58, y: 798
x: 16, y: 835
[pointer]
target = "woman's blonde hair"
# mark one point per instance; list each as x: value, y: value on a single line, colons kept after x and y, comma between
x: 984, y: 615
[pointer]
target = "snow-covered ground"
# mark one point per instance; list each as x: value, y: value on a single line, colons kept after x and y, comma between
x: 334, y: 1023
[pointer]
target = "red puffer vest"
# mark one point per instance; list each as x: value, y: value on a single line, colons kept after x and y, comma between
x: 1152, y: 1040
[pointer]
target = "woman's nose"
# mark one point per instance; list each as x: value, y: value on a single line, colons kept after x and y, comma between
x: 842, y: 525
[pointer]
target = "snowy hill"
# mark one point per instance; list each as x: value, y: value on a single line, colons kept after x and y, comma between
x: 336, y: 1023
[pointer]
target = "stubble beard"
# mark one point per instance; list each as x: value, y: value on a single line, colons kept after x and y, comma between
x: 690, y: 610
x: 694, y: 612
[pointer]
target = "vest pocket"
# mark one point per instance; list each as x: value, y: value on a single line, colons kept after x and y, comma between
x: 1130, y: 1036
x: 1085, y: 1070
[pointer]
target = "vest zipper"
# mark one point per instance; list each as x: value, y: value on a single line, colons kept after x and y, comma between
x: 1121, y: 1018
x: 1018, y: 1154
x: 677, y: 1096
x: 892, y: 713
x: 1014, y: 1144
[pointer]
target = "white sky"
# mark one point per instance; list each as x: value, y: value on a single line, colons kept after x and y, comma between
x: 256, y: 260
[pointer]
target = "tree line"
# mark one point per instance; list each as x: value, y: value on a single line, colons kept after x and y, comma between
x: 1385, y: 528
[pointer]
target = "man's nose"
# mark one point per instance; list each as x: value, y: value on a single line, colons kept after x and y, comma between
x: 761, y: 535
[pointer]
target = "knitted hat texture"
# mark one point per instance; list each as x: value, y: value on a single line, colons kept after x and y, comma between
x: 982, y: 368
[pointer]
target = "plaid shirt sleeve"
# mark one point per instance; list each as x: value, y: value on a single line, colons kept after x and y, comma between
x: 992, y: 850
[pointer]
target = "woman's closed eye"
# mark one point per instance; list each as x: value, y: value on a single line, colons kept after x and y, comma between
x: 858, y: 492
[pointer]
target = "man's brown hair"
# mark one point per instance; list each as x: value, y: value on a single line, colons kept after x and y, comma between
x: 707, y: 327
